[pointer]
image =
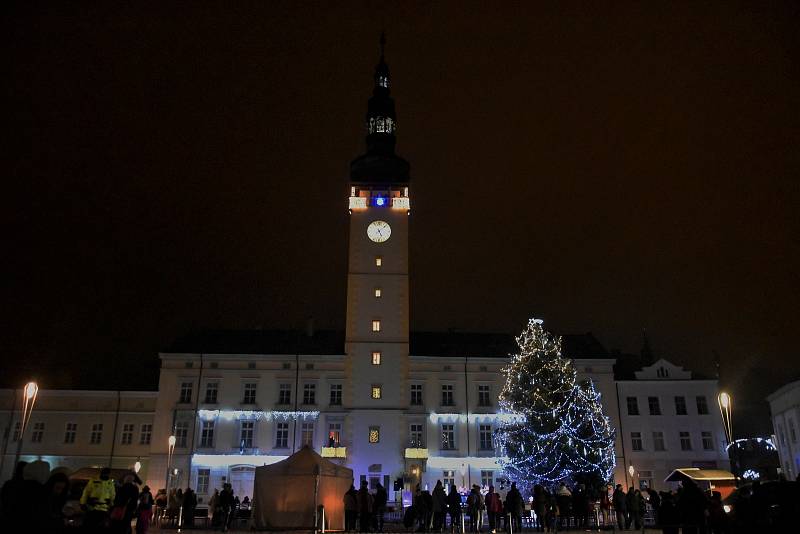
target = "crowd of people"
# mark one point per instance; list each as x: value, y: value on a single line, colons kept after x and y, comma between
x: 688, y: 509
x: 37, y: 499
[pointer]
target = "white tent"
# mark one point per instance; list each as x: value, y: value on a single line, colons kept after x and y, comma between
x: 286, y: 493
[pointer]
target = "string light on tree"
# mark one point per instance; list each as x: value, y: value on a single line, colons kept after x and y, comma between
x: 560, y: 431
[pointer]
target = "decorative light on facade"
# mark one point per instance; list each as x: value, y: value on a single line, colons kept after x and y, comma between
x: 401, y: 203
x: 256, y: 415
x: 358, y: 203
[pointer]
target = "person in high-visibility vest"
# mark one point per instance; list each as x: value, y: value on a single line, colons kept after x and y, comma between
x: 96, y: 500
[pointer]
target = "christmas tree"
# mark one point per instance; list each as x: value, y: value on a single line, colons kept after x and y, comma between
x: 553, y: 427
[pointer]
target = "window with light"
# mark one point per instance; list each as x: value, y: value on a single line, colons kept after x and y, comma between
x: 376, y: 358
x: 378, y: 261
x: 374, y: 434
x: 377, y: 292
x: 376, y: 391
x: 376, y: 325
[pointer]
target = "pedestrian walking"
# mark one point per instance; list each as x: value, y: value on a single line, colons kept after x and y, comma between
x: 620, y: 506
x: 125, y: 501
x: 454, y: 508
x: 494, y: 507
x: 381, y: 497
x: 514, y: 507
x: 144, y: 511
x: 227, y: 503
x: 364, y: 507
x: 350, y: 500
x: 475, y: 507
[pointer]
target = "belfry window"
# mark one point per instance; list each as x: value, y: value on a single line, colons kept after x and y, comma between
x: 381, y: 125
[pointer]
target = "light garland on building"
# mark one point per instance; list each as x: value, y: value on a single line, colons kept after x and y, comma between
x: 558, y: 430
x: 255, y: 415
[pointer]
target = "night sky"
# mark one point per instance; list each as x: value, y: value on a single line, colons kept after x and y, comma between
x: 608, y: 168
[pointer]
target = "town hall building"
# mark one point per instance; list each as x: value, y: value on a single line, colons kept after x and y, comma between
x: 387, y: 402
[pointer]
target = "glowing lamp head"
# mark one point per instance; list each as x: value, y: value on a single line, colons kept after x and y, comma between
x: 724, y: 400
x: 137, y: 466
x: 171, y: 441
x: 175, y: 471
x: 380, y: 201
x: 631, y: 470
x: 30, y: 390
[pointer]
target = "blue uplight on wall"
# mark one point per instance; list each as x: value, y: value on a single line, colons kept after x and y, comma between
x: 380, y: 201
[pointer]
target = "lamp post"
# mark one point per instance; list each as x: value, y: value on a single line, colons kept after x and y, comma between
x: 631, y: 471
x: 29, y: 394
x: 171, y: 448
x: 725, y: 402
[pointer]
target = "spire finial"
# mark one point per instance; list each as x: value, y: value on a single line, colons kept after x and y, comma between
x: 383, y: 43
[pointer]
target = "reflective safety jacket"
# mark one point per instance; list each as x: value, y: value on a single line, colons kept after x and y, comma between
x: 99, y: 495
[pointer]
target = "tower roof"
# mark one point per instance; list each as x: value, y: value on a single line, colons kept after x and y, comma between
x: 380, y: 164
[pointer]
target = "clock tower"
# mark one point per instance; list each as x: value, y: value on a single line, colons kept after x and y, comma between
x: 376, y: 340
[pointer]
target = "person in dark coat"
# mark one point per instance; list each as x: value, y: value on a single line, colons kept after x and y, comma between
x: 12, y: 498
x: 580, y: 506
x: 692, y: 505
x: 668, y: 513
x: 379, y: 506
x: 126, y: 499
x: 439, y: 507
x: 494, y: 508
x: 144, y: 511
x: 454, y: 508
x: 618, y: 499
x: 54, y: 497
x: 632, y: 507
x: 189, y: 506
x: 655, y: 503
x: 350, y: 500
x: 514, y: 506
x: 227, y: 503
x: 364, y: 507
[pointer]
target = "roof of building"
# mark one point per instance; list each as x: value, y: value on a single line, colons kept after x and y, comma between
x: 442, y: 344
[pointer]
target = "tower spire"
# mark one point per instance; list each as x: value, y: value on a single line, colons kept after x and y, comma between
x: 380, y: 163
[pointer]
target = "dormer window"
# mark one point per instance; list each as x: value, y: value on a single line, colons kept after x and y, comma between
x: 661, y: 372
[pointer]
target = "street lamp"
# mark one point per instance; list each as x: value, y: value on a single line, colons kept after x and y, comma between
x: 725, y: 407
x: 137, y: 467
x: 725, y: 402
x: 29, y: 394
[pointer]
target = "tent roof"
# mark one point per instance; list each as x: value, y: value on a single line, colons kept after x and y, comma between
x: 695, y: 473
x: 305, y: 462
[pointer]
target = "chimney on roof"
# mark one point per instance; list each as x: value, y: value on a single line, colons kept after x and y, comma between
x: 310, y: 327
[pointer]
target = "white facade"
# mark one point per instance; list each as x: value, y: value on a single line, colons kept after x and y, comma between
x: 669, y: 420
x: 784, y: 406
x: 76, y: 429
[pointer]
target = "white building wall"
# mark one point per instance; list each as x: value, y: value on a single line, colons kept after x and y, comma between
x: 785, y: 410
x: 654, y: 465
x: 56, y: 408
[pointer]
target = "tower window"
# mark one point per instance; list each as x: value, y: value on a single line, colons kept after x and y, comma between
x: 377, y: 292
x: 376, y: 391
x: 374, y: 434
x: 378, y: 261
x: 376, y: 358
x: 376, y: 325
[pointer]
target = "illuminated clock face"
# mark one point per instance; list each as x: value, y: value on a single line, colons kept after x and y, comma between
x: 379, y: 231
